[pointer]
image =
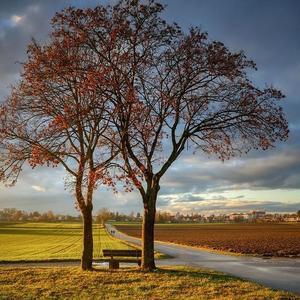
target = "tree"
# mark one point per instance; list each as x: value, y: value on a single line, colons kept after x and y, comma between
x: 55, y: 117
x: 172, y: 91
x: 167, y: 91
x: 49, y: 216
x: 103, y: 215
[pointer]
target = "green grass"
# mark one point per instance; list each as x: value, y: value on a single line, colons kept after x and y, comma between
x: 50, y: 241
x: 165, y: 283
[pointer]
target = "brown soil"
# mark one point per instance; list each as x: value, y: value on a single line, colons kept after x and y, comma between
x: 259, y: 239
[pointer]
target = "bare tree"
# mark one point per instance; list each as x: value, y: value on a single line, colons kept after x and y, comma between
x: 103, y: 215
x: 167, y: 91
x: 51, y: 119
x: 172, y: 91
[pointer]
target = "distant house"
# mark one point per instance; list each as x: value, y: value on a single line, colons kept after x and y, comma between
x: 236, y: 217
x: 292, y: 218
x: 256, y: 214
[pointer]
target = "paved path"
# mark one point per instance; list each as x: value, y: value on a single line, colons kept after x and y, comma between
x: 277, y: 273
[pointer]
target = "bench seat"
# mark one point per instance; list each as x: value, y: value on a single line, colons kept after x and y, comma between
x: 117, y: 256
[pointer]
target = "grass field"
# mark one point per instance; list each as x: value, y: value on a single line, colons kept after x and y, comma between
x: 166, y: 283
x: 50, y: 241
x: 256, y: 239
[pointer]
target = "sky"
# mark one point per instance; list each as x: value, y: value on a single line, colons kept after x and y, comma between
x: 268, y: 32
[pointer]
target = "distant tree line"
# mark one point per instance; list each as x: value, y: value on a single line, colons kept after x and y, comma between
x: 104, y: 215
x: 16, y: 215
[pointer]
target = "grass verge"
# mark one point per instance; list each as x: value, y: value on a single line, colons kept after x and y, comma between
x: 129, y: 283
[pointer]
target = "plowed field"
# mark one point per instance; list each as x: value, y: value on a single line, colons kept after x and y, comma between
x: 258, y: 239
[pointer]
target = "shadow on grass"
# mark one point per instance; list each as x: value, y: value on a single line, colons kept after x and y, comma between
x: 178, y: 271
x: 197, y: 273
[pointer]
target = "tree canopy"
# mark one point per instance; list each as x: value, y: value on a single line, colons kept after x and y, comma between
x: 123, y: 74
x: 55, y: 117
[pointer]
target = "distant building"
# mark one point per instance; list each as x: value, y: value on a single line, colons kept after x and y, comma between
x: 236, y: 217
x: 177, y: 216
x: 256, y: 214
x: 291, y: 218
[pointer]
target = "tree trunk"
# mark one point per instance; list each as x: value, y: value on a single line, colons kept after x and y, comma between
x: 148, y: 263
x: 87, y: 253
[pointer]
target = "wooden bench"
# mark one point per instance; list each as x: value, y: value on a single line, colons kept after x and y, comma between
x: 117, y: 256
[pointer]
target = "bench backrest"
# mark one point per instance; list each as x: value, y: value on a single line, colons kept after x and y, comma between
x: 122, y: 253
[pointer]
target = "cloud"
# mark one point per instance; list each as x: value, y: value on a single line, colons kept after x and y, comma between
x: 182, y: 198
x: 15, y: 19
x: 193, y: 181
x: 192, y: 198
x: 38, y: 188
x: 196, y: 174
x: 228, y: 205
x: 43, y: 188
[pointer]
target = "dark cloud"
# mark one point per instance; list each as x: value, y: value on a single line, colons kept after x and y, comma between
x: 190, y: 198
x: 182, y: 198
x: 195, y: 174
x: 269, y: 206
x: 267, y: 30
x: 14, y: 37
x: 264, y: 29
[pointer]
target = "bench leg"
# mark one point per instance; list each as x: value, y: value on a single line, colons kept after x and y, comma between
x: 139, y: 263
x: 114, y: 264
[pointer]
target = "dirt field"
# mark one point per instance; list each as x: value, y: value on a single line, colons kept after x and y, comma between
x: 258, y: 239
